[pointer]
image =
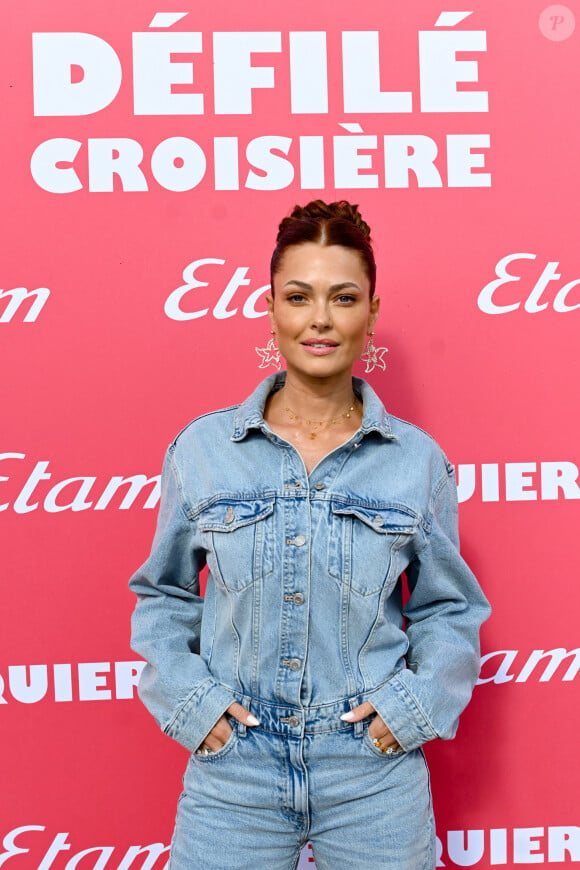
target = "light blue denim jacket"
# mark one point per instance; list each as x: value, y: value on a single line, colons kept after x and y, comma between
x: 304, y: 604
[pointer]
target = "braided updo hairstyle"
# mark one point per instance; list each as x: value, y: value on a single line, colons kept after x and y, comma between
x: 334, y: 223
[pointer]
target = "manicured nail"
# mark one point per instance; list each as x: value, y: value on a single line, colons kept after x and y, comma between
x: 348, y: 717
x: 251, y: 720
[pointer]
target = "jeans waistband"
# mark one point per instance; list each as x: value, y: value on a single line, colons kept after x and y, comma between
x: 296, y: 721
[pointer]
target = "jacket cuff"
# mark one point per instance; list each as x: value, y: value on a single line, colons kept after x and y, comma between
x: 198, y: 714
x: 401, y: 712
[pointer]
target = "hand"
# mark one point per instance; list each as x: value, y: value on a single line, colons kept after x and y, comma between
x: 378, y: 731
x: 221, y: 731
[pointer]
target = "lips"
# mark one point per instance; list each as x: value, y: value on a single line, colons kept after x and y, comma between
x: 320, y: 342
x: 319, y: 346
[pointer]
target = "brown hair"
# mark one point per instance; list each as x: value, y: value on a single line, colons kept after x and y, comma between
x: 334, y: 223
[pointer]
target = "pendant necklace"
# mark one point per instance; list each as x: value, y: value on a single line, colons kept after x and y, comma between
x: 316, y: 425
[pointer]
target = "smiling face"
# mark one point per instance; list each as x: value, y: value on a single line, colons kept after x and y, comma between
x: 321, y: 310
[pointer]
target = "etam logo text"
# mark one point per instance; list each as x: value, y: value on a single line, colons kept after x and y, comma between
x: 20, y: 304
x: 32, y: 847
x: 190, y: 301
x: 33, y: 488
x: 540, y: 666
x: 526, y: 288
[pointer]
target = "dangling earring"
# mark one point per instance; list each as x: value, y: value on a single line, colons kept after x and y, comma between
x: 270, y: 354
x: 373, y: 356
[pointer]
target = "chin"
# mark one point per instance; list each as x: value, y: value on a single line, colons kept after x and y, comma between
x: 320, y: 368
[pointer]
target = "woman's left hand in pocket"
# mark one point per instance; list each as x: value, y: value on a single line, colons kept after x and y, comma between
x: 378, y: 731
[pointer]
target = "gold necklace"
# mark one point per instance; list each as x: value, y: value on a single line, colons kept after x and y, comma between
x: 316, y: 425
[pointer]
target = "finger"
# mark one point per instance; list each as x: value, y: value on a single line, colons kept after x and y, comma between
x: 242, y: 715
x: 217, y: 737
x: 214, y: 743
x: 386, y: 746
x: 378, y: 730
x: 357, y: 713
x: 221, y: 730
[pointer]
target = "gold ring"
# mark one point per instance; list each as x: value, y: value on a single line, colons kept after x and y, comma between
x: 387, y: 750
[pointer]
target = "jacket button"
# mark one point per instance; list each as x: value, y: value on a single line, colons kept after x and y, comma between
x: 298, y: 541
x: 294, y: 664
x: 298, y: 598
x: 293, y: 721
x: 319, y: 486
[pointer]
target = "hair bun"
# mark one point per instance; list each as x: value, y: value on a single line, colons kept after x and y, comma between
x: 319, y: 210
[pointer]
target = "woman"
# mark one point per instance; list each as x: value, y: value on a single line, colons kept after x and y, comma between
x: 304, y: 684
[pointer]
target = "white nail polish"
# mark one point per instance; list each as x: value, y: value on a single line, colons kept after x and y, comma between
x: 348, y: 717
x: 251, y: 720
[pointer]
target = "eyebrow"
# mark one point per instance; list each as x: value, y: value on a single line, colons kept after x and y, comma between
x: 344, y: 285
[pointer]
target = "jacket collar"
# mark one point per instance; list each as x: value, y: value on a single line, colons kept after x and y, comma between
x: 250, y: 414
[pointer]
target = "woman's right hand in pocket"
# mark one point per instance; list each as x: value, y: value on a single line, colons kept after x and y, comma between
x: 221, y: 731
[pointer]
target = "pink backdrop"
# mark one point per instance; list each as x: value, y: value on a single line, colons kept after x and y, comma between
x: 147, y: 158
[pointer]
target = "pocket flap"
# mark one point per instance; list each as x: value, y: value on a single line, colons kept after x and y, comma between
x: 386, y: 520
x: 229, y: 515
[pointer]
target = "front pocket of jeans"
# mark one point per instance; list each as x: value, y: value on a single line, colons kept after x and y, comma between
x: 389, y: 756
x: 239, y: 541
x: 206, y: 758
x: 362, y: 542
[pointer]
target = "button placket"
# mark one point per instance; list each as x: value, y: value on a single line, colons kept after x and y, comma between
x: 296, y: 566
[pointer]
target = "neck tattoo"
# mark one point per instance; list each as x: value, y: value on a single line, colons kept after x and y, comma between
x: 316, y: 426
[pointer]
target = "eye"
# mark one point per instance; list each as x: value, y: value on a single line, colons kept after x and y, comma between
x: 296, y: 298
x: 346, y: 298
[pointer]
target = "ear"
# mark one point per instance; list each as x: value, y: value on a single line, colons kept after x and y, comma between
x: 270, y: 304
x: 374, y: 313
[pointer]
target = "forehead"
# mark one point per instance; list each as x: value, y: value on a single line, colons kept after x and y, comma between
x: 313, y: 263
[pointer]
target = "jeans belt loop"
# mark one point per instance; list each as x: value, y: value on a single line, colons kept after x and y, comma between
x: 358, y: 727
x: 241, y: 727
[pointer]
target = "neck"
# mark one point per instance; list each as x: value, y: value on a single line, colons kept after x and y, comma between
x: 318, y: 398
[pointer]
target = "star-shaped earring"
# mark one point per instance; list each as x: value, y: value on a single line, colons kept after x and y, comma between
x: 270, y: 354
x: 373, y: 356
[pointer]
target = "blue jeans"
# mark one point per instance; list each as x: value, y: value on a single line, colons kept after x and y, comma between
x: 256, y: 802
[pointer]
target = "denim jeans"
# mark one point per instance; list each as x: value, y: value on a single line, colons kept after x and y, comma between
x: 255, y: 803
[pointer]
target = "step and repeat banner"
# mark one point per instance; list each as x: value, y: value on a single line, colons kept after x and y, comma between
x: 149, y: 151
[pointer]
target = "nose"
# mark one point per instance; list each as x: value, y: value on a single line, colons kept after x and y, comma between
x: 321, y: 316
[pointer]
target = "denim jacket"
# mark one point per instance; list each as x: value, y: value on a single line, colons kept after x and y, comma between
x: 304, y: 604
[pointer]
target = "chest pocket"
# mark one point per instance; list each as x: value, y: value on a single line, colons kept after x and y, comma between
x: 365, y: 545
x: 239, y: 539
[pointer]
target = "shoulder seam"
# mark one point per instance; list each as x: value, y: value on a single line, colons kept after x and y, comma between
x: 203, y: 417
x: 415, y: 426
